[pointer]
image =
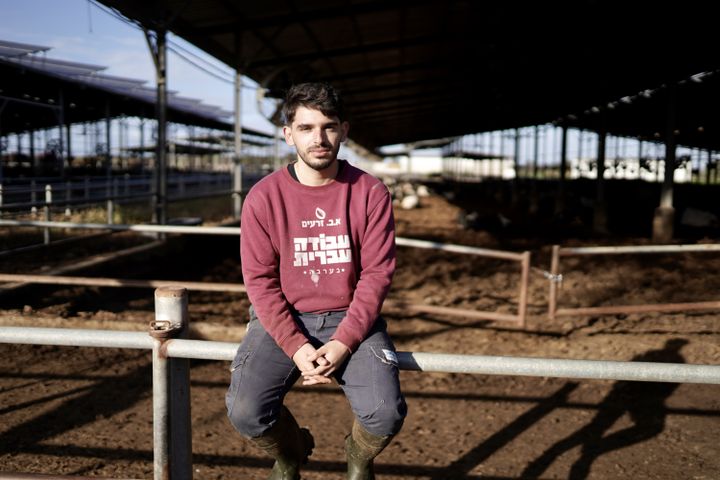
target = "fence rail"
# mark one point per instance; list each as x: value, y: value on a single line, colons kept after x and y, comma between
x: 414, y: 361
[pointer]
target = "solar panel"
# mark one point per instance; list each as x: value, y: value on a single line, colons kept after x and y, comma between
x: 14, y: 49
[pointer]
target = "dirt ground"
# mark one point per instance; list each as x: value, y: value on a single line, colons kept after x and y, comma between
x: 86, y: 411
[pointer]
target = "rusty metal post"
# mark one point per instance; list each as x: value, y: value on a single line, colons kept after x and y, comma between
x: 172, y: 439
x: 554, y: 267
x: 524, y: 279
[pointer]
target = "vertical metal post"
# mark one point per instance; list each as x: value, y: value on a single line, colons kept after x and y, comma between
x: 172, y: 439
x: 707, y: 167
x: 61, y: 125
x: 554, y: 268
x: 109, y: 201
x: 524, y: 280
x: 162, y: 125
x: 1, y: 199
x: 158, y: 52
x: 536, y: 151
x: 560, y: 204
x: 516, y: 167
x: 68, y: 196
x: 237, y: 165
x: 600, y: 211
x: 108, y: 164
x: 48, y: 202
x: 161, y: 449
x: 665, y: 213
x: 142, y: 145
x: 33, y: 162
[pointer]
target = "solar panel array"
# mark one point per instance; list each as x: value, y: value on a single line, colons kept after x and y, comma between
x: 33, y: 57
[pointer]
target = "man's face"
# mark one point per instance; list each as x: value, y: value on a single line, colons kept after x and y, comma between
x: 316, y: 138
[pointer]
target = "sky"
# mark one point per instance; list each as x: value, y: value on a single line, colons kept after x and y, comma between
x: 80, y: 31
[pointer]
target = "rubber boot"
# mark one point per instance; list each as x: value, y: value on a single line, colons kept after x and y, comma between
x: 288, y: 444
x: 362, y: 447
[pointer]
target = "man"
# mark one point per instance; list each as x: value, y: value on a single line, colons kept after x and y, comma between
x: 318, y: 256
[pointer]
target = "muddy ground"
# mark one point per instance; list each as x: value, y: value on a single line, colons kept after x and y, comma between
x: 84, y: 411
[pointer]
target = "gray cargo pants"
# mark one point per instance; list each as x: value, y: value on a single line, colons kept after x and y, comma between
x: 262, y: 375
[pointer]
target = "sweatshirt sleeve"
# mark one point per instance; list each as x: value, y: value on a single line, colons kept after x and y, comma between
x: 377, y: 266
x: 261, y: 274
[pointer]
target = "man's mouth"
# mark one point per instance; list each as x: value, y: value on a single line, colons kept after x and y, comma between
x: 320, y: 151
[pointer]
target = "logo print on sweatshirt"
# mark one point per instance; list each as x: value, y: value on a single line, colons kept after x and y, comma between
x: 320, y: 222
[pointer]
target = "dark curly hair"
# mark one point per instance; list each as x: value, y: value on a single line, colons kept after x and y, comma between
x: 318, y: 96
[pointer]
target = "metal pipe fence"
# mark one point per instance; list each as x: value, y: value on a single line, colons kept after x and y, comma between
x: 172, y: 448
x: 555, y: 276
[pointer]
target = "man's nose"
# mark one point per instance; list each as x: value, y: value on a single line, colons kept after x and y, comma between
x: 319, y: 136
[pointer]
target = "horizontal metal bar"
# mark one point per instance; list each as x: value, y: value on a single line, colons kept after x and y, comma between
x: 121, y: 227
x: 484, y: 252
x: 418, y: 361
x: 658, y: 307
x: 570, y: 251
x: 74, y: 337
x: 455, y: 312
x: 561, y: 368
x: 121, y: 282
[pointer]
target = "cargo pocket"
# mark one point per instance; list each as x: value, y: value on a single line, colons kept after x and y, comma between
x: 386, y: 354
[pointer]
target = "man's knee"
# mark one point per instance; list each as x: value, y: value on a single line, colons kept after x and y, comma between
x: 248, y: 418
x: 386, y: 420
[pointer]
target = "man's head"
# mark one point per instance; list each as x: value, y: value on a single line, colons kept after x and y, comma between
x: 313, y: 124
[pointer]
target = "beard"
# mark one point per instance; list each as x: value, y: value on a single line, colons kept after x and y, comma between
x: 319, y: 163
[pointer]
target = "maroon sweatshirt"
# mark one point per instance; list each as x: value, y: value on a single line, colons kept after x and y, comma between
x: 318, y: 249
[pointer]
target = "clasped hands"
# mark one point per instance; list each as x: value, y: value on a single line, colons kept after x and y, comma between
x: 317, y: 365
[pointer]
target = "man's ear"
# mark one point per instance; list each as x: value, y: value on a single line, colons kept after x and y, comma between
x: 345, y: 126
x: 287, y: 133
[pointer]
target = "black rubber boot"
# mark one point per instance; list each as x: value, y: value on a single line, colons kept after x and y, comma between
x: 288, y: 444
x: 362, y: 447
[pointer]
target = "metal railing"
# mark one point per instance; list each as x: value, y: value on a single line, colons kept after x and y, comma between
x: 171, y: 386
x: 555, y: 276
